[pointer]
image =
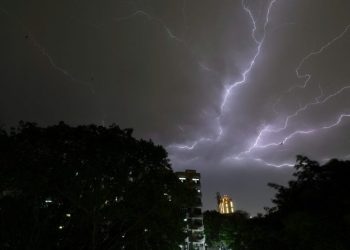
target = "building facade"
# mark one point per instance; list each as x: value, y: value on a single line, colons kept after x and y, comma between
x: 225, y: 204
x: 194, y: 218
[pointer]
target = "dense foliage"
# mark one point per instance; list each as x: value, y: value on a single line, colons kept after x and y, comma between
x: 221, y: 229
x: 87, y: 187
x: 311, y: 213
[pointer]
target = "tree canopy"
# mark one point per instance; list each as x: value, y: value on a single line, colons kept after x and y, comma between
x: 221, y: 229
x: 313, y: 211
x: 87, y: 187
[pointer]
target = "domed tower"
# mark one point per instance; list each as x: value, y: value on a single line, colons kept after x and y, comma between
x: 225, y: 204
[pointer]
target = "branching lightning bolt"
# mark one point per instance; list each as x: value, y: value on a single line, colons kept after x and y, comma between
x: 245, y: 73
x: 294, y: 134
x: 228, y: 89
x: 317, y: 101
x: 268, y: 129
x: 286, y: 139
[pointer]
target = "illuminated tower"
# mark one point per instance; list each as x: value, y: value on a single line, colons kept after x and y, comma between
x: 225, y: 204
x: 194, y: 218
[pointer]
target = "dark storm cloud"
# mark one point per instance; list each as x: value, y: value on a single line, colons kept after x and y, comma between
x: 161, y: 67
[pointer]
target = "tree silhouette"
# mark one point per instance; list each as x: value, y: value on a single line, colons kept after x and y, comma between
x: 314, y: 208
x: 87, y: 187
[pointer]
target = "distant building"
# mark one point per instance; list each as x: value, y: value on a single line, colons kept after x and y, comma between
x: 195, y: 229
x: 225, y: 204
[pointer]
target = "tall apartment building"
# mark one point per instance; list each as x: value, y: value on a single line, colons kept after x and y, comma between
x: 225, y: 204
x: 195, y: 229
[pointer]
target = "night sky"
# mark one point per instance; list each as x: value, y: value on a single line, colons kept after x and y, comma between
x: 232, y: 89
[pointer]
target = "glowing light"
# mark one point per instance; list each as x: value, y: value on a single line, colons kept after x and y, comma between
x: 225, y: 205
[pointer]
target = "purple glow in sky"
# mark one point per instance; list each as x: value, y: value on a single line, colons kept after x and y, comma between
x: 233, y: 89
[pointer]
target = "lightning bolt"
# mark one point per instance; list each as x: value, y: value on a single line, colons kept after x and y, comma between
x: 168, y: 31
x: 276, y: 165
x: 190, y: 146
x: 299, y: 132
x: 259, y: 160
x: 285, y: 140
x: 245, y: 73
x: 268, y: 129
x: 306, y: 107
x: 230, y: 87
x: 170, y: 34
x: 308, y: 76
x: 46, y: 54
x: 65, y: 72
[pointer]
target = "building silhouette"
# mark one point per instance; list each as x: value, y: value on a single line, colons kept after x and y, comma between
x: 225, y: 204
x: 194, y: 218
